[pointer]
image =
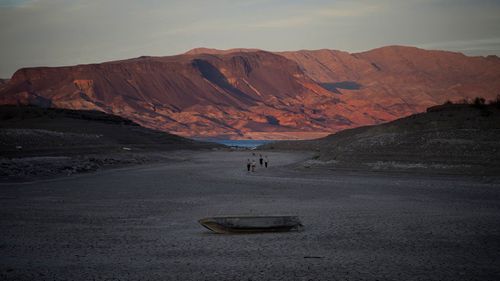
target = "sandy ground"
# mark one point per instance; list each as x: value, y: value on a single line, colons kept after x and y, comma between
x: 141, y: 224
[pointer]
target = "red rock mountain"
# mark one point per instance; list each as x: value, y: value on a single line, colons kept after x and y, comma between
x: 248, y: 93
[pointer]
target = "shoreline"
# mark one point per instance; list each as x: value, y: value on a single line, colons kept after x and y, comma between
x: 61, y: 167
x: 22, y: 169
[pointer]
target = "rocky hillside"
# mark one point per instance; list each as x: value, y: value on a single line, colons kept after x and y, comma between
x: 32, y: 131
x: 459, y: 137
x: 248, y: 93
x: 44, y: 143
x: 400, y: 81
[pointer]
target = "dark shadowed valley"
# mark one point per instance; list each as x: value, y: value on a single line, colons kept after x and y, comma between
x: 427, y: 209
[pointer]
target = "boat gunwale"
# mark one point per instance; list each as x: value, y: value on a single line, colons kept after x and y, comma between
x: 216, y: 226
x: 247, y: 217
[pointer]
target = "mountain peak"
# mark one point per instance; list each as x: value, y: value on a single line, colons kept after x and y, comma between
x: 212, y: 51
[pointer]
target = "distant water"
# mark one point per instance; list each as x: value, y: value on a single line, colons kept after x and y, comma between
x: 240, y: 143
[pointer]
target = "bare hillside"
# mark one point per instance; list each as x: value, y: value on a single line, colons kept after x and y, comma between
x: 38, y: 142
x: 450, y: 137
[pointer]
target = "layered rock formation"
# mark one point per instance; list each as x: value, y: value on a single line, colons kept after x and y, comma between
x: 248, y: 93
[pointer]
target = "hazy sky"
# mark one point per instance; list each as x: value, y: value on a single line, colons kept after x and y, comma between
x: 65, y: 32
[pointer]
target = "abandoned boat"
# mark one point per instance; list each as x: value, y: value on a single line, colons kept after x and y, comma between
x: 252, y: 224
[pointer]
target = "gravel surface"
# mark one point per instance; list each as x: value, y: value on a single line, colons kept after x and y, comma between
x: 141, y: 224
x: 25, y: 169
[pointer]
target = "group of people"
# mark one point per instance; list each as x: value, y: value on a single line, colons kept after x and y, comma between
x: 251, y: 165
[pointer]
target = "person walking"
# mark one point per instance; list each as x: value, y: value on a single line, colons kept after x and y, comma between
x: 266, y: 161
x: 253, y: 165
x: 249, y: 165
x: 261, y: 160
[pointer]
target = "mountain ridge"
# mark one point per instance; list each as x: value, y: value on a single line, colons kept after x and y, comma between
x: 251, y: 93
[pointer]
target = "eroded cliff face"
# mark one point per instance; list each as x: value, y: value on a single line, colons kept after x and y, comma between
x: 248, y: 93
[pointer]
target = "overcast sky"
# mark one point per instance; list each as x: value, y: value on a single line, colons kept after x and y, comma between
x: 66, y: 32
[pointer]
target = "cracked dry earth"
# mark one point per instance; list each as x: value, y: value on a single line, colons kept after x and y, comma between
x: 141, y: 224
